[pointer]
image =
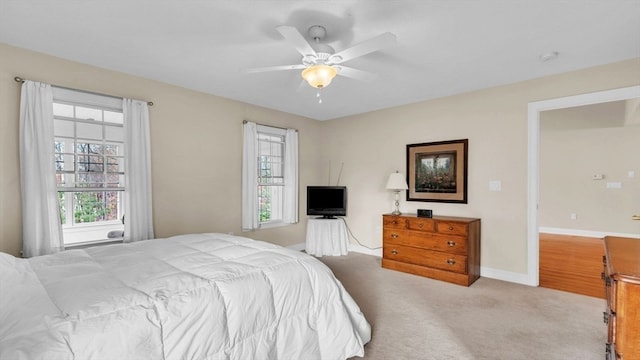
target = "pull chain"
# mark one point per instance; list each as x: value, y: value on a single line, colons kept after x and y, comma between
x: 318, y: 96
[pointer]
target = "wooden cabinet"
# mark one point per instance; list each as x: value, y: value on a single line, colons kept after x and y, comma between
x: 443, y: 247
x: 622, y: 280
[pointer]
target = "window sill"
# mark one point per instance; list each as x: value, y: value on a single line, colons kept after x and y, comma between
x: 88, y: 244
x: 273, y: 224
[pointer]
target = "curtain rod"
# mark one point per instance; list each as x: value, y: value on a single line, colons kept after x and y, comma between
x: 21, y: 80
x: 277, y: 127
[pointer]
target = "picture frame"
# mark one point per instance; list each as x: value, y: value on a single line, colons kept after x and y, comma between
x: 437, y: 171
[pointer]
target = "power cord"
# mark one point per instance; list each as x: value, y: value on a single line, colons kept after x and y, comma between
x: 355, y: 238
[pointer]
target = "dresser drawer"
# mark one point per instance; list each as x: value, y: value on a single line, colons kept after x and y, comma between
x: 429, y: 241
x: 395, y: 222
x: 434, y: 259
x: 452, y: 228
x: 421, y: 224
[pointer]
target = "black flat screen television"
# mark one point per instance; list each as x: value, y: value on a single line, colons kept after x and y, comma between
x: 327, y: 201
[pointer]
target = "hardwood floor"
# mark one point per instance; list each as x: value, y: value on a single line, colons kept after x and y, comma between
x: 572, y: 263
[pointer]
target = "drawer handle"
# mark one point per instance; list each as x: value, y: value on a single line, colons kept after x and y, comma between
x: 394, y: 252
x: 450, y: 228
x: 394, y: 222
x: 451, y: 243
x: 394, y: 235
x: 451, y: 262
x: 420, y: 226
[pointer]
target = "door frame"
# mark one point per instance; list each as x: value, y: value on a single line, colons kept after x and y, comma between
x: 533, y: 167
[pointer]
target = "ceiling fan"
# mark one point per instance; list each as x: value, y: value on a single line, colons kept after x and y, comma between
x: 320, y: 63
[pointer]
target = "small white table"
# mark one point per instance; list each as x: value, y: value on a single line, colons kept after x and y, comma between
x: 326, y: 237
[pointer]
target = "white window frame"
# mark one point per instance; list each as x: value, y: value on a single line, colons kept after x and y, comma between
x: 271, y: 137
x: 103, y: 104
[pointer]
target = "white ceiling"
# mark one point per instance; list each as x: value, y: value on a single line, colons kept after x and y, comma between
x: 443, y: 47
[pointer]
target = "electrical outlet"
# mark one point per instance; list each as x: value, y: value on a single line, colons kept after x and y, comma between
x: 573, y: 216
x: 495, y: 185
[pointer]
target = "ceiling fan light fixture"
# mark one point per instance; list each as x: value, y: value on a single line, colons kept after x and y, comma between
x: 319, y: 76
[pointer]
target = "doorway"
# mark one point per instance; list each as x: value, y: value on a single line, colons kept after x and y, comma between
x: 533, y: 184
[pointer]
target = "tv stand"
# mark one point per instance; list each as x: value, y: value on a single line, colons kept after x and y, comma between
x: 326, y: 236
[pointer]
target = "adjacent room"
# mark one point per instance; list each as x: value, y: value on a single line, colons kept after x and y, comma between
x: 319, y: 179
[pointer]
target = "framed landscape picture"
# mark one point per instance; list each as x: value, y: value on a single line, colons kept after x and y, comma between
x: 437, y: 171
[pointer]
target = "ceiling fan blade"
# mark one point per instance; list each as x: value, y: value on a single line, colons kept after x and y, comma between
x: 293, y: 36
x: 368, y: 46
x: 276, y: 68
x: 356, y: 74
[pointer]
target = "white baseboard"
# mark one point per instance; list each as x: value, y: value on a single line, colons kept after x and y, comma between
x: 586, y: 233
x: 297, y: 247
x: 496, y: 274
x: 365, y: 250
x: 503, y: 275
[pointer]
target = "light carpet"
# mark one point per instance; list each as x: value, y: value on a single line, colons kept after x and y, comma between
x: 414, y: 317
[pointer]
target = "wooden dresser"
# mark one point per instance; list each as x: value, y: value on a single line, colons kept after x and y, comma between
x: 443, y: 247
x: 622, y: 280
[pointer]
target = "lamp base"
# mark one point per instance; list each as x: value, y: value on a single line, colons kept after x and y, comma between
x: 397, y: 210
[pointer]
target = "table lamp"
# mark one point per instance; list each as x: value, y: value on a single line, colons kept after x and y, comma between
x: 397, y: 183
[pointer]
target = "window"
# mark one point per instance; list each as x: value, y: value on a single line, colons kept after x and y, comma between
x: 269, y: 176
x: 89, y: 160
x: 271, y: 148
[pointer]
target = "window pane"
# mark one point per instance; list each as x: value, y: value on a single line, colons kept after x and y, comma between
x: 113, y: 133
x: 64, y: 162
x: 88, y: 113
x: 90, y: 163
x: 264, y: 203
x: 270, y: 203
x: 114, y: 180
x: 113, y: 117
x: 89, y: 148
x: 63, y: 209
x: 113, y: 149
x: 63, y: 128
x: 65, y: 180
x: 62, y: 110
x: 91, y: 207
x: 89, y: 131
x: 115, y: 165
x: 90, y: 180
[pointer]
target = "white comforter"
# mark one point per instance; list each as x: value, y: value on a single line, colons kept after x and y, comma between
x: 203, y: 296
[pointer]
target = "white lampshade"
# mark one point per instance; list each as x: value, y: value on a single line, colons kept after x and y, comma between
x: 396, y: 182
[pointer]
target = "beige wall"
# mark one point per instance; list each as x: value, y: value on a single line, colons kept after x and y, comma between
x: 577, y: 143
x: 494, y: 120
x: 196, y: 144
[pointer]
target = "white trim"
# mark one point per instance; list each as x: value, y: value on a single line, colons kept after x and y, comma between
x: 365, y: 250
x: 355, y: 248
x: 497, y: 274
x: 587, y: 233
x: 296, y: 247
x: 533, y: 168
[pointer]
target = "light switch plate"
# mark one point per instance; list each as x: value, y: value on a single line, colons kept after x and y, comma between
x: 614, y: 185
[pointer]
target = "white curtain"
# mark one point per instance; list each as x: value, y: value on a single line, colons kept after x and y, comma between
x: 250, y: 177
x: 290, y: 209
x: 138, y: 223
x: 41, y: 229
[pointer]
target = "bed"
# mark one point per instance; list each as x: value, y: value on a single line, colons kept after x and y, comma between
x: 198, y: 296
